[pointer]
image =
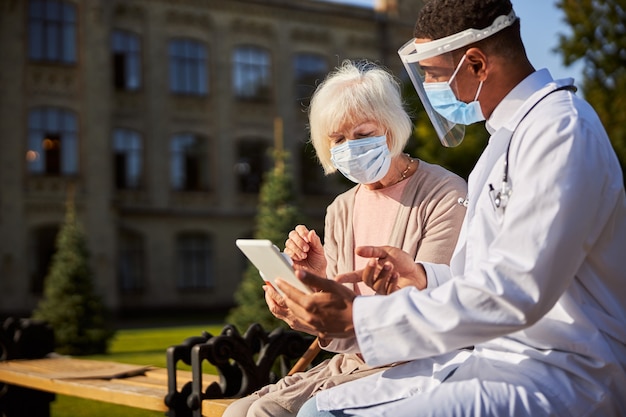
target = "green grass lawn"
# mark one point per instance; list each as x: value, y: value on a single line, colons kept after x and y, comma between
x: 135, y: 346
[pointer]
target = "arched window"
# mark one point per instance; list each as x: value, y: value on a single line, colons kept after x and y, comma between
x: 252, y: 162
x: 52, y: 141
x: 126, y: 50
x: 309, y: 70
x: 188, y: 170
x: 130, y: 263
x: 251, y: 73
x: 42, y: 244
x: 188, y: 67
x: 52, y: 31
x: 195, y: 259
x: 127, y: 158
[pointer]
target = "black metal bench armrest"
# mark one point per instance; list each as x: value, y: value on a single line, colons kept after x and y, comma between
x: 245, y: 364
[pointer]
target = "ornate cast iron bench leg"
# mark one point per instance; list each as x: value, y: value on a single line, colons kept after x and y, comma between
x: 245, y: 363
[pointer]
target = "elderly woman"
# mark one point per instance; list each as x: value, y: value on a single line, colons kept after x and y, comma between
x: 359, y: 127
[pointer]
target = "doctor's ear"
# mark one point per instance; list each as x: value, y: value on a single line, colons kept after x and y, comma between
x: 477, y: 61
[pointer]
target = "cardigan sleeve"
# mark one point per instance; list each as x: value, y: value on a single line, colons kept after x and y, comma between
x: 430, y: 217
x: 442, y: 218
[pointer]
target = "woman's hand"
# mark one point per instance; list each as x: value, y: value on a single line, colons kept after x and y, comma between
x: 305, y: 249
x: 279, y: 309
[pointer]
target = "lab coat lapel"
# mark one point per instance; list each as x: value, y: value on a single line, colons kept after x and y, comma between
x: 492, y: 159
x: 476, y: 185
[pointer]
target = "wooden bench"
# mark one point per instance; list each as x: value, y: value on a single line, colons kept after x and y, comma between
x: 31, y: 374
x: 111, y: 382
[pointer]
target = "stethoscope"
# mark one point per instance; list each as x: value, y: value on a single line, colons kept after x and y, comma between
x: 500, y: 198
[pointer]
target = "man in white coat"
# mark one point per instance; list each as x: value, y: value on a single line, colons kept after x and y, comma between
x: 537, y: 281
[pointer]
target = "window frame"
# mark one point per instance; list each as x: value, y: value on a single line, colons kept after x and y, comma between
x: 302, y: 71
x: 128, y: 142
x: 198, y: 274
x: 52, y: 34
x: 126, y: 57
x: 188, y: 67
x: 52, y: 123
x: 180, y: 170
x: 42, y: 249
x: 131, y: 252
x: 247, y: 71
x: 250, y: 173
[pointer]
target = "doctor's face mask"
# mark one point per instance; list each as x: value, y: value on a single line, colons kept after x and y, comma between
x: 444, y: 101
x: 450, y: 128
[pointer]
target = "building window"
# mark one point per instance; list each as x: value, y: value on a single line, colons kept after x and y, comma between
x: 188, y: 67
x: 188, y: 163
x: 52, y: 142
x: 52, y: 31
x: 127, y: 158
x: 251, y: 73
x: 309, y: 70
x: 252, y: 162
x: 126, y: 49
x: 131, y: 262
x: 195, y: 261
x: 312, y: 177
x: 43, y: 243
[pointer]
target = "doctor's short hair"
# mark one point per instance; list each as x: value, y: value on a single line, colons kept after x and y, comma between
x: 352, y: 93
x: 440, y: 18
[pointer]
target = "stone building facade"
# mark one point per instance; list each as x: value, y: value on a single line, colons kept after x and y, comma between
x: 158, y: 114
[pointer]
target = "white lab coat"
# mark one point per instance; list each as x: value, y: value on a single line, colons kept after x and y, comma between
x: 538, y: 287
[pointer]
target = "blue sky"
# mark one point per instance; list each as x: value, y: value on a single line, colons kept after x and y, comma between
x: 542, y: 22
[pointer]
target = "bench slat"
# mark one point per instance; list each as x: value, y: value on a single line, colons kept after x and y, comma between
x: 70, y: 376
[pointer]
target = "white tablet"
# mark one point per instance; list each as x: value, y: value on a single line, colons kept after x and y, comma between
x: 270, y: 262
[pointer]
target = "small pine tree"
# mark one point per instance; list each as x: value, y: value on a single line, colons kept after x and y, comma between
x: 278, y: 213
x: 70, y: 306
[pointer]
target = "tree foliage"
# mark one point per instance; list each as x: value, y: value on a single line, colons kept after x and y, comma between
x: 70, y: 305
x: 278, y: 213
x: 598, y: 38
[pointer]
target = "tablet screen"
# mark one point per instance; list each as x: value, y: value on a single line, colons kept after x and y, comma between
x: 270, y: 262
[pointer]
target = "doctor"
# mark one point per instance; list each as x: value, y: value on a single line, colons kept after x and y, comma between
x: 536, y: 282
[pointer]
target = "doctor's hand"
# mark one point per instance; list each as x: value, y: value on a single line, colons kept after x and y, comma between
x: 388, y: 270
x: 328, y: 311
x: 305, y: 249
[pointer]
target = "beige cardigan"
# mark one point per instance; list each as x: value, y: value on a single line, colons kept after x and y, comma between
x: 427, y: 226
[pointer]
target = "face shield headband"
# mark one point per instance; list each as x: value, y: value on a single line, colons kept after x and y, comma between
x: 450, y: 134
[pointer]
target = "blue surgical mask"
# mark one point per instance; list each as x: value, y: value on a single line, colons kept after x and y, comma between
x: 364, y: 161
x: 444, y: 101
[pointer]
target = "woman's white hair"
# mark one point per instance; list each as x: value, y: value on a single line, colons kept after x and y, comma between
x: 354, y: 93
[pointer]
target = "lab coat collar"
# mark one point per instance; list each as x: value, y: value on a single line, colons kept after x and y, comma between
x: 518, y: 102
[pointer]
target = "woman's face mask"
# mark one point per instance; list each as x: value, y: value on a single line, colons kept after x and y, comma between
x: 364, y: 161
x: 444, y: 101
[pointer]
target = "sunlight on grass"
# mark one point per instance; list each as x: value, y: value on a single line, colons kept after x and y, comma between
x: 139, y: 347
x: 147, y: 346
x: 65, y: 406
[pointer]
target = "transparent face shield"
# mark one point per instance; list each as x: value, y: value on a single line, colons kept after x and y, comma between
x: 414, y: 53
x: 450, y: 134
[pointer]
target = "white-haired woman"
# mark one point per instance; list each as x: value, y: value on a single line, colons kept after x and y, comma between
x: 359, y: 126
